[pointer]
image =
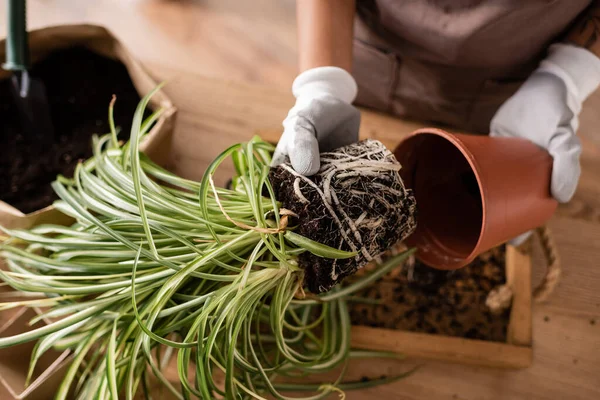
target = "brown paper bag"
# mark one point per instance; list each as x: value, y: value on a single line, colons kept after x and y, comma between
x: 44, y: 41
x: 14, y: 362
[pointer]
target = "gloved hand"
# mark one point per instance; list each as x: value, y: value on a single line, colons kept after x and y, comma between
x: 545, y: 111
x: 322, y: 119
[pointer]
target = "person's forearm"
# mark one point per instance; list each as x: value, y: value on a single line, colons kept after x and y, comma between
x: 325, y: 32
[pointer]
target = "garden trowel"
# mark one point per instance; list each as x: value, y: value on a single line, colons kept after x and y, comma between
x: 28, y: 93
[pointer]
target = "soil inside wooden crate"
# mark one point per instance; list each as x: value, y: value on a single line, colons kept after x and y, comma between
x: 80, y: 85
x: 417, y: 298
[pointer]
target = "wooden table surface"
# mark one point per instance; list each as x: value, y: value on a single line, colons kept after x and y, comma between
x: 566, y: 330
x: 255, y: 41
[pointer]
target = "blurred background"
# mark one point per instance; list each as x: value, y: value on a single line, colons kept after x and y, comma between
x: 253, y: 41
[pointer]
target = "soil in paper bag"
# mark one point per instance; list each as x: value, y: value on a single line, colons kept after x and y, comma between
x: 80, y: 85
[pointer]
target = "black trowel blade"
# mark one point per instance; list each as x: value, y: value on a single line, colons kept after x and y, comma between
x: 34, y: 110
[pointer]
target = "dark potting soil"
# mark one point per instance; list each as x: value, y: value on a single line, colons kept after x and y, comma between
x: 417, y: 298
x: 356, y: 202
x: 80, y: 85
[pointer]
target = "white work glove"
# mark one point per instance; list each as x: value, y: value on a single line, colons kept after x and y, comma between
x: 322, y: 119
x: 545, y: 111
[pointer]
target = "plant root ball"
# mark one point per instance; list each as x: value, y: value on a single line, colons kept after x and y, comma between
x: 356, y: 202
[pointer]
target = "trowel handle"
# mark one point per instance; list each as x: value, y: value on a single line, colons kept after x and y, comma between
x: 17, y: 46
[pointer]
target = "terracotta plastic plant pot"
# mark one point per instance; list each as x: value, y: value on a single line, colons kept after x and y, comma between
x: 473, y: 192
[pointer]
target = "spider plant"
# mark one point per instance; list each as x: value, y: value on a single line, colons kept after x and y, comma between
x: 156, y: 266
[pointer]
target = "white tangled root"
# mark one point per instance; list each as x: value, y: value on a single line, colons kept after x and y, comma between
x: 364, y: 175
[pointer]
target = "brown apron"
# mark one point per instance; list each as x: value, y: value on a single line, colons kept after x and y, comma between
x: 452, y: 62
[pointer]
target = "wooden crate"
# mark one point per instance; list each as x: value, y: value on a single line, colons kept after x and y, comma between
x: 515, y: 353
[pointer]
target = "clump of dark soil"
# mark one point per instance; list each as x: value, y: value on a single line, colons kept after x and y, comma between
x: 356, y: 202
x: 80, y: 85
x: 417, y: 298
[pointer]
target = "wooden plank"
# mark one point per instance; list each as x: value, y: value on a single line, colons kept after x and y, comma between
x: 443, y: 348
x: 518, y: 278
